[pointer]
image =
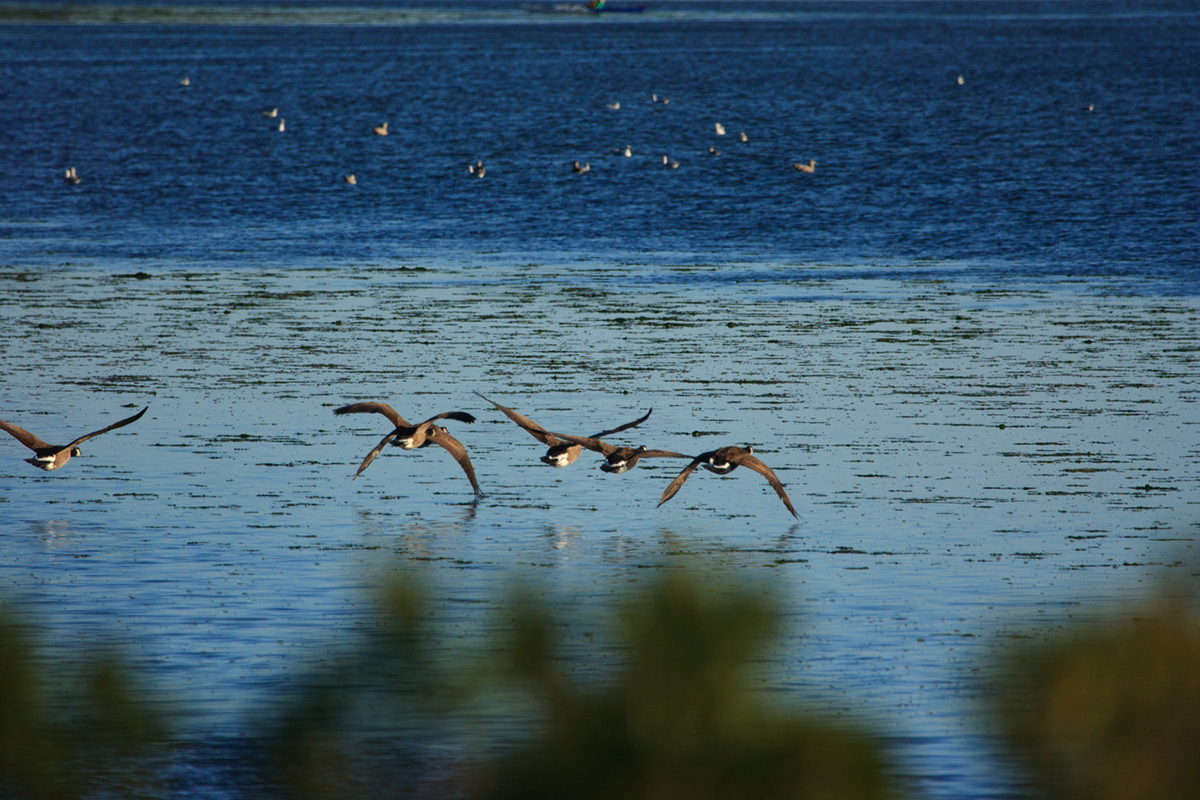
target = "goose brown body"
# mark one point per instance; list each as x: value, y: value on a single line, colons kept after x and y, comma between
x: 725, y: 460
x: 617, y: 459
x: 411, y: 437
x: 50, y: 457
x: 561, y: 453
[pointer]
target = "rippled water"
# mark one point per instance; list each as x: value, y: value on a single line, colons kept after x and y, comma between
x: 1067, y: 148
x: 977, y: 380
x: 965, y: 459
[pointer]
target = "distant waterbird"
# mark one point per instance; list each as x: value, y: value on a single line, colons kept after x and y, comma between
x: 810, y: 167
x: 350, y: 179
x: 71, y: 177
x: 578, y: 168
x: 381, y: 130
x: 614, y: 106
x: 271, y: 113
x: 719, y: 128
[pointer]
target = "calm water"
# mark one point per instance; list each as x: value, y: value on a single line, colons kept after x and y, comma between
x: 966, y: 343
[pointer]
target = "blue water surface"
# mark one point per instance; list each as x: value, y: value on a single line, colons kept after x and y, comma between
x: 1068, y: 148
x: 966, y: 342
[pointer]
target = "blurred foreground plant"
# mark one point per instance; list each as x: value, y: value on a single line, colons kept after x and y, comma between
x: 69, y: 730
x: 681, y: 719
x: 1113, y: 713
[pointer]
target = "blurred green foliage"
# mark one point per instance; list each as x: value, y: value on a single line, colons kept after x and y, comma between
x: 1111, y: 711
x: 682, y: 718
x: 70, y: 730
x: 670, y: 701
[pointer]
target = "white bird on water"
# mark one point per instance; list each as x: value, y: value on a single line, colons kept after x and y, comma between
x: 720, y: 128
x: 811, y: 166
x: 381, y: 130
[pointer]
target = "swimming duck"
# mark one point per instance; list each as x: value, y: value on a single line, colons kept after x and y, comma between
x: 351, y: 179
x: 723, y: 461
x: 561, y: 452
x: 51, y: 457
x: 381, y: 130
x: 810, y: 167
x: 410, y: 437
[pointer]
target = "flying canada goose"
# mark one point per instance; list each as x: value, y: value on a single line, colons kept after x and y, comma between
x: 381, y: 130
x: 561, y: 452
x: 410, y: 437
x: 810, y: 167
x: 616, y: 459
x: 51, y: 457
x: 723, y: 461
